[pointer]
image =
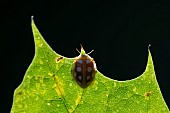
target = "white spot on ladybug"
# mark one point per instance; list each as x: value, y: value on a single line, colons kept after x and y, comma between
x: 79, y: 69
x: 87, y: 61
x: 88, y: 78
x: 80, y: 61
x: 89, y: 69
x: 80, y: 77
x: 75, y: 75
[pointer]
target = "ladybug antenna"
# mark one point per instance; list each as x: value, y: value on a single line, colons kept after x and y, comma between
x: 77, y: 50
x: 82, y: 50
x: 90, y: 52
x: 81, y: 46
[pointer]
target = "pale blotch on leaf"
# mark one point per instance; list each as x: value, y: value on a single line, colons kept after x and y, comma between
x: 37, y: 85
x: 78, y: 99
x: 42, y: 92
x: 70, y: 84
x: 134, y: 89
x: 41, y: 79
x: 58, y: 105
x: 41, y: 62
x: 81, y: 102
x: 59, y: 86
x: 107, y: 95
x: 58, y: 81
x: 96, y: 88
x: 57, y: 67
x: 29, y: 77
x: 48, y: 104
x: 137, y: 102
x: 36, y: 98
x: 58, y: 90
x: 39, y: 43
x: 51, y: 74
x: 114, y: 84
x: 70, y: 110
x: 96, y: 82
x: 54, y: 86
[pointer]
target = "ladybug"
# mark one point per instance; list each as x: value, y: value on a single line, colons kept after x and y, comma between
x: 84, y: 69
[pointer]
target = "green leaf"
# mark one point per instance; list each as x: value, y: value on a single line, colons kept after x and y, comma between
x: 48, y: 87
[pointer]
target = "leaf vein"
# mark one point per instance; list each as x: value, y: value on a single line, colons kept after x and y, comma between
x: 64, y: 101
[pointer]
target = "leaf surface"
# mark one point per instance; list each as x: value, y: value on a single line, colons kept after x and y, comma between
x: 48, y: 87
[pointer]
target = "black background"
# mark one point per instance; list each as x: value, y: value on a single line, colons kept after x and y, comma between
x: 118, y: 31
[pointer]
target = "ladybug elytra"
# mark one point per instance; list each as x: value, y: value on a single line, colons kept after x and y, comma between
x: 84, y: 69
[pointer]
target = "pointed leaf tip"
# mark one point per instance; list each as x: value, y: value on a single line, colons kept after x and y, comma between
x: 149, y: 46
x: 32, y: 19
x: 149, y: 55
